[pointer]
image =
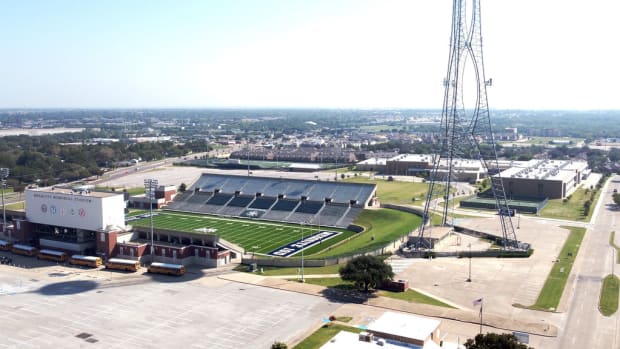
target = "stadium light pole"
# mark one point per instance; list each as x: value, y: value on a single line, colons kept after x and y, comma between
x: 151, y: 185
x: 303, y: 224
x: 4, y: 173
x: 248, y: 148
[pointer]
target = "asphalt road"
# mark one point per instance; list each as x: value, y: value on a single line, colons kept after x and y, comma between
x: 585, y: 327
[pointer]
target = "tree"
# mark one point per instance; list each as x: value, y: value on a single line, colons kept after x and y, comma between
x: 182, y: 187
x: 366, y: 272
x: 279, y: 345
x: 495, y: 341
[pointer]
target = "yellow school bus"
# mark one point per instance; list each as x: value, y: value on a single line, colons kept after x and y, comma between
x: 168, y: 269
x: 51, y: 255
x: 24, y: 250
x: 5, y: 245
x: 87, y: 261
x: 122, y: 264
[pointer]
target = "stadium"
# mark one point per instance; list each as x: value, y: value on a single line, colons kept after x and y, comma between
x: 217, y: 219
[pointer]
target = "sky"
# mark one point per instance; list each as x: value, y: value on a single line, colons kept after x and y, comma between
x: 551, y: 54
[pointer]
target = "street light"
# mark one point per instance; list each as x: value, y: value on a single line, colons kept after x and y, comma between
x: 150, y: 185
x: 4, y: 173
x: 469, y: 278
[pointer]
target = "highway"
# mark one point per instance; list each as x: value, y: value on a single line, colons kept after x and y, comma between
x: 584, y: 325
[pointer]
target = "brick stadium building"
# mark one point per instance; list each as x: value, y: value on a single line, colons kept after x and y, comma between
x: 93, y: 223
x: 88, y: 222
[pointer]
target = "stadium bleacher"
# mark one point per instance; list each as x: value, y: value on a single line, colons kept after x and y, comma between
x: 263, y: 203
x: 293, y: 200
x: 297, y: 189
x: 219, y: 199
x: 254, y: 186
x: 349, y: 217
x: 285, y: 205
x: 331, y: 214
x: 276, y: 188
x: 310, y: 207
x: 240, y: 201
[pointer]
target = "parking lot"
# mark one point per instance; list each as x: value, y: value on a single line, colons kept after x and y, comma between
x: 59, y: 306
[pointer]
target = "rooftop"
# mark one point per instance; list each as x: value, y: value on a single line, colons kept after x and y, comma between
x: 350, y: 340
x: 545, y: 169
x: 373, y: 161
x: 404, y: 325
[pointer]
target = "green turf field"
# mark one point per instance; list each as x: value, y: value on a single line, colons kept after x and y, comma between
x: 255, y: 236
x: 398, y: 192
x: 381, y: 227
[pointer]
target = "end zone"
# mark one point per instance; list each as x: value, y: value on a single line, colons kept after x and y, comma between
x: 296, y: 246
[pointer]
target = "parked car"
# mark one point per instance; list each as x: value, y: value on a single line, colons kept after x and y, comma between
x: 507, y: 212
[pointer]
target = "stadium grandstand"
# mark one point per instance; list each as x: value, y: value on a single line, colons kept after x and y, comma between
x: 334, y: 204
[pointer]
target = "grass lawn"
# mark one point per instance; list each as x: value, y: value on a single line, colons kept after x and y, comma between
x: 276, y: 271
x: 331, y: 282
x: 608, y: 303
x: 613, y: 244
x: 414, y: 297
x: 547, y: 140
x: 455, y: 202
x: 381, y: 227
x: 397, y: 192
x: 408, y: 296
x: 382, y: 127
x: 136, y: 191
x: 344, y: 318
x: 571, y: 209
x: 551, y: 293
x: 20, y: 206
x: 324, y: 334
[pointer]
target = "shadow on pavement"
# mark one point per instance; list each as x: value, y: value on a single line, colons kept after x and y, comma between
x: 343, y: 295
x: 68, y: 287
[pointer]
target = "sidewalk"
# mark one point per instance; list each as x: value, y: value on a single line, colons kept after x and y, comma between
x: 461, y: 315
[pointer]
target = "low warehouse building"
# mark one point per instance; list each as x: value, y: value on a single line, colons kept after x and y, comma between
x: 553, y: 179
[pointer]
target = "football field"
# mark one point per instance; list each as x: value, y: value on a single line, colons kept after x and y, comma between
x: 260, y: 237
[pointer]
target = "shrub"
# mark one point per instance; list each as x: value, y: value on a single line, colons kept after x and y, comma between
x: 279, y: 345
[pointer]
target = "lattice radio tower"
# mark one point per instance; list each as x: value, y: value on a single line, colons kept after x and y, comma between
x: 463, y: 131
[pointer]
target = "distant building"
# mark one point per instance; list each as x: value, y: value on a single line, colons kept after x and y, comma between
x: 509, y: 134
x: 372, y: 164
x: 554, y: 179
x: 464, y: 170
x: 163, y: 195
